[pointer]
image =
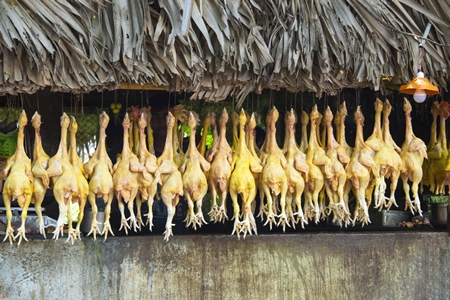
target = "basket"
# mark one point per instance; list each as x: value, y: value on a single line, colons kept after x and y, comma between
x: 8, y: 143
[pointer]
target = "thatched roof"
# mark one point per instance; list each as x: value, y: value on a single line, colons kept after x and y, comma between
x: 226, y: 47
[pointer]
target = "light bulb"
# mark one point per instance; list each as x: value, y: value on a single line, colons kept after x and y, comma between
x: 419, y: 96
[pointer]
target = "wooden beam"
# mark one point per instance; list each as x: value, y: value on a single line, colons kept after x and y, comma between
x: 140, y: 87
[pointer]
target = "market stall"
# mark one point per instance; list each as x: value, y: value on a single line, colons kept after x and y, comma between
x: 189, y: 122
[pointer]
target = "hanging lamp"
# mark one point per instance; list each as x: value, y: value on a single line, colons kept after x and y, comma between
x: 420, y: 87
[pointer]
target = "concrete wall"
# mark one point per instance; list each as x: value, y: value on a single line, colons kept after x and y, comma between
x: 406, y: 265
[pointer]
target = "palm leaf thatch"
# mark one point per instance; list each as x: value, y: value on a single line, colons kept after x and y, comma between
x: 218, y: 48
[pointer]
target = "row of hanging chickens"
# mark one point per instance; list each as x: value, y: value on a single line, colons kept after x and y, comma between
x: 317, y: 167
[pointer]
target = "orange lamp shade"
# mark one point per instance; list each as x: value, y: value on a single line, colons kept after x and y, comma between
x: 419, y: 83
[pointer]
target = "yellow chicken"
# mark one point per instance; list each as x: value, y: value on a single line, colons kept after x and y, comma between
x: 413, y: 152
x: 18, y: 184
x: 172, y: 183
x: 99, y: 168
x: 193, y: 168
x: 242, y: 182
x: 82, y: 192
x: 39, y: 170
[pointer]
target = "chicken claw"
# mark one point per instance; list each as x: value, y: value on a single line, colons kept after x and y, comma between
x: 9, y: 235
x: 168, y: 233
x: 283, y: 221
x: 72, y: 235
x: 124, y: 224
x: 21, y: 234
x: 107, y: 228
x: 59, y: 229
x: 237, y: 226
x: 270, y: 220
x: 391, y: 201
x: 149, y: 222
x: 139, y: 222
x: 134, y: 223
x: 94, y: 229
x: 42, y: 227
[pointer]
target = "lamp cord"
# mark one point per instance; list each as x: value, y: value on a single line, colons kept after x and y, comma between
x: 420, y: 57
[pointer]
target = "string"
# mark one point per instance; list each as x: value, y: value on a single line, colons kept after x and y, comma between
x: 37, y: 101
x: 295, y: 101
x: 102, y: 102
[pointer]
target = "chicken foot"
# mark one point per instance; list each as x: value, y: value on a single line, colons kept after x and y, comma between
x: 94, y: 224
x: 414, y: 205
x: 107, y: 225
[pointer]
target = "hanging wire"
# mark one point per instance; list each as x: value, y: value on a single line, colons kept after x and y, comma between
x: 21, y: 99
x: 82, y: 104
x: 420, y: 57
x: 295, y: 101
x: 37, y: 101
x: 301, y: 102
x: 126, y: 99
x: 101, y: 107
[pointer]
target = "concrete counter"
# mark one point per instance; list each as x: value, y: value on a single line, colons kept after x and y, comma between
x: 397, y: 265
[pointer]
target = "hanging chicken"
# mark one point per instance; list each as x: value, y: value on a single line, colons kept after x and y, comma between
x: 431, y: 144
x: 335, y: 185
x: 359, y: 171
x: 148, y: 181
x: 125, y: 178
x: 316, y: 159
x: 172, y: 183
x: 250, y: 136
x: 243, y: 183
x: 193, y: 168
x: 390, y: 163
x: 273, y: 176
x: 82, y: 192
x: 413, y: 152
x: 438, y: 155
x: 375, y: 142
x: 99, y: 168
x: 220, y: 156
x: 18, y: 183
x: 39, y: 169
x: 64, y: 181
x: 296, y: 168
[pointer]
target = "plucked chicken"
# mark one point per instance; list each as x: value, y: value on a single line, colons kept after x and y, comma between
x: 296, y: 169
x: 389, y: 161
x: 250, y: 136
x: 273, y: 177
x: 316, y: 160
x: 335, y: 185
x: 64, y: 179
x: 125, y: 178
x: 99, y: 168
x: 172, y: 183
x: 18, y: 184
x: 413, y: 152
x: 148, y: 181
x: 243, y: 183
x: 80, y: 195
x: 431, y: 144
x: 193, y: 168
x: 220, y: 157
x: 39, y: 169
x: 437, y: 157
x: 375, y: 142
x: 359, y: 171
